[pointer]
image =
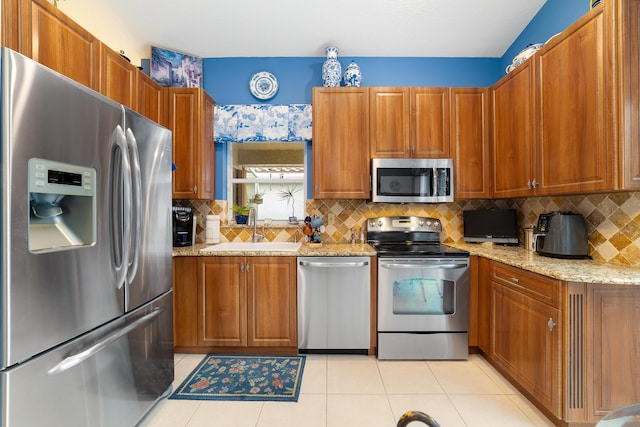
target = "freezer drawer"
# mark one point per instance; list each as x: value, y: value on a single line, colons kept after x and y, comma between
x: 109, y: 377
x: 334, y: 303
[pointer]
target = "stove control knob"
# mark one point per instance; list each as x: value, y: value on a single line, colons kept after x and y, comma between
x: 421, y: 222
x: 436, y: 223
x: 380, y: 223
x: 428, y: 223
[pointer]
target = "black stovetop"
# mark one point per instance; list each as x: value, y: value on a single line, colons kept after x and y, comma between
x: 413, y: 249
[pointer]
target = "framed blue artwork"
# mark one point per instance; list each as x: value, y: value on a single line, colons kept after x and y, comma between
x: 174, y: 69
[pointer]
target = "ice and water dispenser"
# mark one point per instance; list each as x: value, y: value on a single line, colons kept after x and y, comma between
x: 62, y: 211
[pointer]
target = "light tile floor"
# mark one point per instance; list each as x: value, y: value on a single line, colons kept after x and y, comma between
x: 353, y: 391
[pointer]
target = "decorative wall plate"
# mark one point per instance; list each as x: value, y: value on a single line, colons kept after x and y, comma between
x: 263, y: 85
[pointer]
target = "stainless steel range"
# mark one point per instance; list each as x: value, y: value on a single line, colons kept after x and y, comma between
x: 423, y: 290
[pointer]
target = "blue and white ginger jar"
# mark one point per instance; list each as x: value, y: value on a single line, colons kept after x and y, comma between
x: 352, y: 76
x: 331, y: 69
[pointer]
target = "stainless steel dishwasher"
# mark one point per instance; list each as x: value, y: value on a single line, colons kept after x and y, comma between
x: 334, y: 297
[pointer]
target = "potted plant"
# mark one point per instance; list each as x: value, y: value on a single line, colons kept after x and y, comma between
x: 242, y: 213
x: 288, y: 195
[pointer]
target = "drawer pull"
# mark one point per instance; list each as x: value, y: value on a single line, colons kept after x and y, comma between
x: 514, y: 279
x: 551, y: 324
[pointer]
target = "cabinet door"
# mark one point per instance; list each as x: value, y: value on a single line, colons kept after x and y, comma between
x: 183, y: 110
x: 613, y: 336
x: 389, y: 120
x: 341, y: 143
x: 49, y: 37
x: 118, y: 78
x: 470, y: 142
x: 526, y: 343
x: 513, y: 133
x: 577, y: 149
x: 272, y: 320
x: 191, y: 120
x: 185, y: 301
x: 429, y: 136
x: 206, y: 171
x: 222, y: 308
x: 629, y: 72
x: 149, y: 99
x: 483, y: 324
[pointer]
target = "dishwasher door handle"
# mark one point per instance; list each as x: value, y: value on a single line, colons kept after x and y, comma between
x: 334, y: 264
x: 432, y: 266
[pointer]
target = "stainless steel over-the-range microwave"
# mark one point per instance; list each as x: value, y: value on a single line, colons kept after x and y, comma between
x: 412, y: 180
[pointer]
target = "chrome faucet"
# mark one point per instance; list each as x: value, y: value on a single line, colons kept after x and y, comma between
x: 256, y: 236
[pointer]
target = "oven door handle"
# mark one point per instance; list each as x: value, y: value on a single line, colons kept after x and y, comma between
x: 334, y: 264
x: 423, y: 265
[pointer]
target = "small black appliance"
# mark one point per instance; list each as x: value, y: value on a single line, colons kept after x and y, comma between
x: 182, y: 226
x: 562, y: 235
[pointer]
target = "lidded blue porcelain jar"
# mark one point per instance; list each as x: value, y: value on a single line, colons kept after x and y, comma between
x: 331, y: 68
x: 352, y: 76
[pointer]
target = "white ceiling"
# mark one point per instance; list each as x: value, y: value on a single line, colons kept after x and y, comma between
x: 294, y: 28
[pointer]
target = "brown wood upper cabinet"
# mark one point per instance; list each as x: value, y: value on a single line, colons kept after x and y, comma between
x: 409, y: 122
x: 150, y: 101
x: 512, y: 121
x: 38, y: 30
x: 191, y: 121
x: 340, y: 143
x: 470, y: 143
x: 118, y: 78
x: 567, y: 121
x: 574, y: 98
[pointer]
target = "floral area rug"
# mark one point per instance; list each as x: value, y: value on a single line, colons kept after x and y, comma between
x: 234, y: 377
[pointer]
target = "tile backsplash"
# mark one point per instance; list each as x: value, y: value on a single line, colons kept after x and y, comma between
x: 613, y: 219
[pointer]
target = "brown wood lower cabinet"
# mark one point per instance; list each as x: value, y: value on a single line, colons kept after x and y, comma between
x: 571, y: 348
x: 236, y: 304
x: 602, y: 368
x: 526, y: 335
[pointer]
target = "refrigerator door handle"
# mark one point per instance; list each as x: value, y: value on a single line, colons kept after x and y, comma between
x: 136, y: 196
x: 120, y: 205
x: 76, y: 359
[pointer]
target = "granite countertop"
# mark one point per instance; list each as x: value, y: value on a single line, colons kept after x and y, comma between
x: 572, y: 270
x: 325, y: 249
x: 585, y: 270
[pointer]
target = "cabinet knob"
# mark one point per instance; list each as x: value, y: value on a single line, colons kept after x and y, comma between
x: 529, y: 184
x: 551, y: 324
x: 195, y: 189
x: 514, y: 279
x: 534, y: 183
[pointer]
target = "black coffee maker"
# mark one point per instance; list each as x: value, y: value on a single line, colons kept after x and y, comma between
x: 182, y: 226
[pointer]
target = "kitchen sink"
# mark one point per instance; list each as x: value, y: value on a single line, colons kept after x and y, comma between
x: 254, y: 247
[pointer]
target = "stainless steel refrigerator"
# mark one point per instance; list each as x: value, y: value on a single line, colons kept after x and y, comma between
x: 86, y: 335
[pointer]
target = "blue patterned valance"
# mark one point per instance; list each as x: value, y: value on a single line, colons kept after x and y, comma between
x: 259, y: 123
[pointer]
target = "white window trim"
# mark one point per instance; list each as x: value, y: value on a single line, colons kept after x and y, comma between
x: 231, y: 181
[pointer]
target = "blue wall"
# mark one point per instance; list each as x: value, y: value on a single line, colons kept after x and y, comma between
x: 554, y: 17
x: 227, y: 79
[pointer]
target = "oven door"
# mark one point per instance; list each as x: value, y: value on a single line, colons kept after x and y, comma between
x: 423, y: 294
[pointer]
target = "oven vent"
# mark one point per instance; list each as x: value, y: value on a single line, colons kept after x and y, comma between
x: 576, y: 352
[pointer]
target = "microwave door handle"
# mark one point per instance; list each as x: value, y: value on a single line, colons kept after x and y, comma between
x: 435, y: 182
x: 136, y: 210
x: 428, y: 266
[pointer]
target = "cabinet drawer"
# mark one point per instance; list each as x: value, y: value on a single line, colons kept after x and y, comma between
x: 542, y: 288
